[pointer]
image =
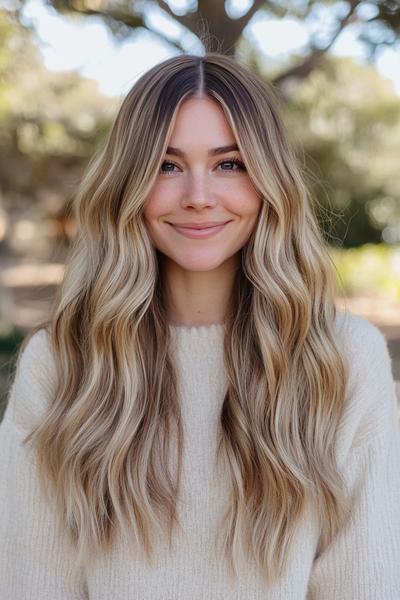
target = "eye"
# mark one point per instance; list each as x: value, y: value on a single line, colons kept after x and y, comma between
x: 166, y: 162
x: 233, y: 165
x: 233, y: 161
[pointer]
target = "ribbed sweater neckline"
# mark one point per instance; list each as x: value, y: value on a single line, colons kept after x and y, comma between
x: 193, y: 332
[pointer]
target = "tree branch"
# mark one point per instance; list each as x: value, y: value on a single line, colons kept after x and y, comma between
x: 244, y: 19
x: 302, y: 70
x: 188, y: 20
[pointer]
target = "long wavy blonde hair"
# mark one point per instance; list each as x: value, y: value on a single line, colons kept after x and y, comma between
x: 104, y: 444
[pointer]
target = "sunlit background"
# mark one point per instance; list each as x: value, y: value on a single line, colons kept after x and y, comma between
x: 65, y: 66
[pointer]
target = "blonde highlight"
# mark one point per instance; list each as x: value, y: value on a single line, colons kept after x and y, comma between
x: 104, y: 446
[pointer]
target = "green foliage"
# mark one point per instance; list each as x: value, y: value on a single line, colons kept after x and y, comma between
x: 50, y: 125
x: 370, y: 270
x: 16, y: 52
x: 9, y: 343
x: 346, y: 118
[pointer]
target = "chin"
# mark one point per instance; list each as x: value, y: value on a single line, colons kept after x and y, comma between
x: 200, y: 265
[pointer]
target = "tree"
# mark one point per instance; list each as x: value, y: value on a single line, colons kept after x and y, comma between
x: 212, y: 21
x: 346, y: 118
x: 50, y: 125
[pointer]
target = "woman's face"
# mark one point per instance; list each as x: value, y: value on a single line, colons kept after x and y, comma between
x: 200, y: 183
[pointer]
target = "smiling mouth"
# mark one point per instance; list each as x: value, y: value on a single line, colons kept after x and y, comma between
x: 198, y: 233
x: 208, y: 225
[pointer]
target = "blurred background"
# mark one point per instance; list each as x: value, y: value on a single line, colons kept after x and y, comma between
x: 65, y: 66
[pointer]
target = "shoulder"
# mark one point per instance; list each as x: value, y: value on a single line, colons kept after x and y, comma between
x: 364, y: 345
x: 35, y: 360
x: 33, y: 383
x: 371, y: 406
x: 357, y: 333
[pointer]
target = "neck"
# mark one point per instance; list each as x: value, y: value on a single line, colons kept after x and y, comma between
x: 195, y: 298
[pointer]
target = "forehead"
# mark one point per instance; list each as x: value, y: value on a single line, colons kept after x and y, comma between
x: 201, y: 120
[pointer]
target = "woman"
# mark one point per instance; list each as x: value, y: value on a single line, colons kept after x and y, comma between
x: 197, y: 419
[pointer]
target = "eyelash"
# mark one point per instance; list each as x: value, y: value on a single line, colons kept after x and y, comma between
x: 235, y: 161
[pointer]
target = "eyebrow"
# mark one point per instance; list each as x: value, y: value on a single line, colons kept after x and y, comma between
x: 220, y: 150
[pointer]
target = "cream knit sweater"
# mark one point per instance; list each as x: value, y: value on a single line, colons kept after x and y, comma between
x: 361, y: 563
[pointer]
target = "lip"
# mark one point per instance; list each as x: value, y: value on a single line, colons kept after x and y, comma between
x: 197, y: 232
x: 199, y: 225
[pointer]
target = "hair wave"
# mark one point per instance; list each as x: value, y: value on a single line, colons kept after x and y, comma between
x: 105, y: 443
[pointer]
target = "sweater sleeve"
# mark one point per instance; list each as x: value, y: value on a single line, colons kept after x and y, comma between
x: 35, y: 557
x: 362, y: 562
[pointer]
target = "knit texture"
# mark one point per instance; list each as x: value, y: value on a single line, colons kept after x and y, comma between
x: 361, y: 563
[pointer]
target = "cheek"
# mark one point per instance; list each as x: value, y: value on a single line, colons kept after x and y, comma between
x: 161, y: 200
x: 152, y: 205
x: 245, y: 201
x: 155, y: 206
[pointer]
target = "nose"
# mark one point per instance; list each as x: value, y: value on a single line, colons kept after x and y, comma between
x: 197, y: 192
